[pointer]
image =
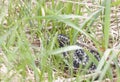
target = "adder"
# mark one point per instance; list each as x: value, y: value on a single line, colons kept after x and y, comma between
x: 80, y: 57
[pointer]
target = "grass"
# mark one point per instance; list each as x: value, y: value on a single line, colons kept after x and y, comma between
x: 28, y: 39
x: 107, y: 23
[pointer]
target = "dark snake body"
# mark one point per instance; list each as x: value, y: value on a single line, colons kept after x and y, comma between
x: 79, y: 56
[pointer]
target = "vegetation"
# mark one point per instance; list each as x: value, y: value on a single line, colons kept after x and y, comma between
x: 29, y: 50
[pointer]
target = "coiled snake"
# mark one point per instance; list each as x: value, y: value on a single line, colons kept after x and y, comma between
x: 80, y: 58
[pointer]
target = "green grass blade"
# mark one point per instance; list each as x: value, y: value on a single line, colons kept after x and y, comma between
x: 106, y: 67
x: 65, y: 49
x: 107, y: 23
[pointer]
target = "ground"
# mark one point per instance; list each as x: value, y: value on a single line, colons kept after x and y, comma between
x: 30, y: 51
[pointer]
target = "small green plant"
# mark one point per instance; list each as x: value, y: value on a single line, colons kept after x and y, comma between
x: 28, y: 38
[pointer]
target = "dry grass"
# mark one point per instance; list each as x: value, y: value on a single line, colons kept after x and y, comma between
x: 28, y: 33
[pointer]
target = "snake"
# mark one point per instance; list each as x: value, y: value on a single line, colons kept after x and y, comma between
x: 80, y: 57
